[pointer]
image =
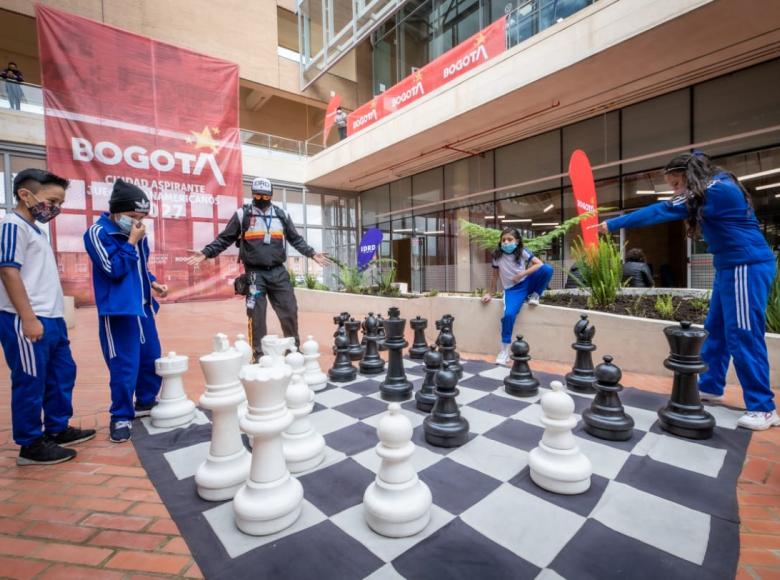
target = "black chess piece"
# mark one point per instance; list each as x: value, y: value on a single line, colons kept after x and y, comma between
x: 582, y: 378
x: 419, y: 346
x: 372, y: 363
x: 606, y: 418
x: 339, y: 321
x: 426, y: 396
x: 381, y: 333
x: 447, y: 324
x: 521, y: 381
x: 445, y: 427
x: 342, y: 370
x: 352, y: 327
x: 395, y: 387
x: 684, y: 415
x: 450, y: 359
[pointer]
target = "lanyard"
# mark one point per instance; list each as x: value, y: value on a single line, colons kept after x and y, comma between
x: 267, y: 220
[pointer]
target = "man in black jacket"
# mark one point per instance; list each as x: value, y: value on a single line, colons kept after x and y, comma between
x: 262, y: 230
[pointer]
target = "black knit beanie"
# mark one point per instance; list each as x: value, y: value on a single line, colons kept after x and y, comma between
x: 127, y: 197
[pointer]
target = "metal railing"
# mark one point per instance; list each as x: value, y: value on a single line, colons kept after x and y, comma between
x: 534, y: 16
x: 21, y: 96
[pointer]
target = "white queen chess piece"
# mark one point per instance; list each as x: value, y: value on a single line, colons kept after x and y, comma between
x: 557, y: 464
x: 304, y: 448
x: 227, y: 465
x: 174, y: 408
x: 314, y: 377
x: 397, y: 504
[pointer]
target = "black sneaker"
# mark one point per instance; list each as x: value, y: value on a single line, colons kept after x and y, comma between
x: 71, y: 436
x: 144, y: 410
x: 43, y: 451
x: 121, y: 431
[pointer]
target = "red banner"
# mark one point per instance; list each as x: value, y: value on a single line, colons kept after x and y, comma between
x: 330, y: 117
x: 469, y: 54
x: 120, y: 105
x: 584, y: 188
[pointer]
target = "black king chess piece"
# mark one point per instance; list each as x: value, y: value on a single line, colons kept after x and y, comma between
x: 521, y: 381
x: 606, y: 418
x: 372, y: 363
x: 395, y: 387
x: 342, y: 370
x: 445, y: 427
x: 352, y: 327
x: 426, y: 396
x: 419, y: 346
x: 684, y: 415
x: 450, y: 359
x: 582, y: 379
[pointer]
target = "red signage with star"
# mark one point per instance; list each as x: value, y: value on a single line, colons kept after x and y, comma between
x: 120, y: 105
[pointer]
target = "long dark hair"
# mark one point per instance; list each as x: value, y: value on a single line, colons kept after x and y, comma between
x: 518, y: 253
x: 699, y: 170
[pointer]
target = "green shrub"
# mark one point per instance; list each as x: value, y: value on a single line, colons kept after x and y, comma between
x: 310, y: 282
x: 601, y: 269
x: 773, y: 305
x: 433, y: 292
x: 664, y: 305
x: 702, y: 304
x: 291, y: 274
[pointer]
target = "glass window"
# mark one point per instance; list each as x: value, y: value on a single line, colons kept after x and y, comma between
x: 401, y: 196
x: 313, y: 208
x: 375, y: 202
x: 599, y: 138
x: 427, y: 189
x: 532, y: 159
x: 294, y: 205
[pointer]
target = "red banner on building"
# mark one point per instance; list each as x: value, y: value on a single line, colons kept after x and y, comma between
x: 584, y: 188
x: 120, y: 105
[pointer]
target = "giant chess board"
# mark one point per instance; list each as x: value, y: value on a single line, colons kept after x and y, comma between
x: 658, y: 507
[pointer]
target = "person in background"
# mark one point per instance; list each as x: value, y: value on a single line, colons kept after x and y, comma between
x: 13, y: 76
x: 636, y: 271
x: 341, y: 123
x: 574, y: 279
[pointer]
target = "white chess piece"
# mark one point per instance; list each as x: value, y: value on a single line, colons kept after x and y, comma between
x: 557, y: 464
x: 174, y: 408
x: 276, y: 347
x: 242, y: 346
x: 314, y: 377
x: 271, y: 499
x: 227, y: 465
x: 397, y: 504
x: 304, y: 448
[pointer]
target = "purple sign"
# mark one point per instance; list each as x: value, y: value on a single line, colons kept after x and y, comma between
x: 368, y: 247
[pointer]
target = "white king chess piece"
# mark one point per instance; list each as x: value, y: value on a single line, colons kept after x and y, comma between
x: 304, y: 448
x: 557, y: 464
x: 174, y: 408
x: 313, y: 375
x: 271, y: 499
x: 227, y: 465
x: 397, y: 504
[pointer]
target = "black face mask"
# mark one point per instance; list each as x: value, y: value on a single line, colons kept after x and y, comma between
x: 261, y: 203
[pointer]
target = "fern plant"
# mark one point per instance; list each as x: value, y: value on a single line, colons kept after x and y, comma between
x: 310, y: 282
x: 664, y: 305
x: 601, y: 269
x: 773, y: 305
x: 349, y: 277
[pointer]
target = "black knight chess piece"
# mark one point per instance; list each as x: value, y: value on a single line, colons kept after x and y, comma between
x: 395, y: 387
x: 342, y: 370
x: 684, y: 415
x: 352, y: 327
x: 521, y: 381
x: 426, y: 396
x: 339, y: 321
x: 372, y: 363
x: 606, y: 418
x: 582, y: 378
x: 450, y: 359
x: 419, y: 346
x: 445, y: 427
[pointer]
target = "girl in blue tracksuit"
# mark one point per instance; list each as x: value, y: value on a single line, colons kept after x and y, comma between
x: 713, y: 202
x: 123, y: 286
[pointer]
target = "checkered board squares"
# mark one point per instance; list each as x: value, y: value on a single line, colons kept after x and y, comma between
x: 658, y: 505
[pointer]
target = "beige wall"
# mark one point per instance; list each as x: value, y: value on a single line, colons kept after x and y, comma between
x: 19, y: 43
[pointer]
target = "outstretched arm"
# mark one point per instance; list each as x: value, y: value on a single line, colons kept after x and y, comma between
x: 656, y: 213
x: 223, y: 241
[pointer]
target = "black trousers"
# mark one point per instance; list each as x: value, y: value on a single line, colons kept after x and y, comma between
x: 273, y: 285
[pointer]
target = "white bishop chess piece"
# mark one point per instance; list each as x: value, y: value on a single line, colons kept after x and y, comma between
x: 304, y: 448
x: 557, y: 464
x: 397, y: 504
x: 174, y: 408
x: 313, y: 375
x: 227, y: 465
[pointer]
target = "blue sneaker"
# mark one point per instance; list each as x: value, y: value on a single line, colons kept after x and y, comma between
x: 121, y: 431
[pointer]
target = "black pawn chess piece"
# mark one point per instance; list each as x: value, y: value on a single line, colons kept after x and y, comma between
x: 381, y: 333
x: 582, y: 378
x: 606, y: 418
x: 445, y: 427
x: 450, y: 359
x: 342, y: 370
x: 419, y: 346
x: 395, y: 387
x: 426, y: 396
x: 521, y: 381
x: 372, y: 363
x: 684, y: 415
x: 352, y: 327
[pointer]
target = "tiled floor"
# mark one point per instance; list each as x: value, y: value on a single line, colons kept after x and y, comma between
x: 100, y: 517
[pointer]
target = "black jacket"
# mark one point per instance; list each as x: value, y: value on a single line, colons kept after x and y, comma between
x: 638, y: 275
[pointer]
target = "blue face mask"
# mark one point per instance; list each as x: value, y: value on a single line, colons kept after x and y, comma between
x: 125, y: 223
x: 509, y: 247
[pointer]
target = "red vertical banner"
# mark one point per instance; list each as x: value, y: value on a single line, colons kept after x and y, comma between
x: 581, y: 176
x: 330, y: 118
x: 120, y: 105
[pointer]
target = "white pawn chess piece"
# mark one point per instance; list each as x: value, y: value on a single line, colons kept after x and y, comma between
x: 314, y: 377
x: 397, y: 504
x: 227, y: 465
x: 304, y: 448
x: 174, y: 409
x: 557, y: 464
x: 271, y: 499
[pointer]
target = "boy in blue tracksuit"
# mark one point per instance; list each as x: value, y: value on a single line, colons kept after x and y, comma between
x: 713, y: 200
x: 123, y: 286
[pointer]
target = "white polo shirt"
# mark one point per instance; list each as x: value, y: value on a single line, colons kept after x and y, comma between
x: 509, y: 266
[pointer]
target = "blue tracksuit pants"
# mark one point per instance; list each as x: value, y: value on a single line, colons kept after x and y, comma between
x: 736, y: 323
x: 516, y: 295
x: 42, y: 377
x: 130, y: 346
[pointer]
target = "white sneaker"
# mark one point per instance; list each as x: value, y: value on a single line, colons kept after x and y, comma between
x: 710, y: 398
x: 759, y: 420
x: 533, y: 299
x: 503, y: 356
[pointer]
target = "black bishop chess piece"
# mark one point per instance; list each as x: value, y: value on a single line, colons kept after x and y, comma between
x: 521, y: 381
x: 342, y: 370
x: 426, y: 397
x: 372, y: 363
x: 445, y: 427
x: 606, y: 418
x: 381, y: 333
x: 395, y: 387
x: 684, y: 415
x: 450, y: 359
x: 352, y: 327
x: 419, y: 345
x: 582, y: 378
